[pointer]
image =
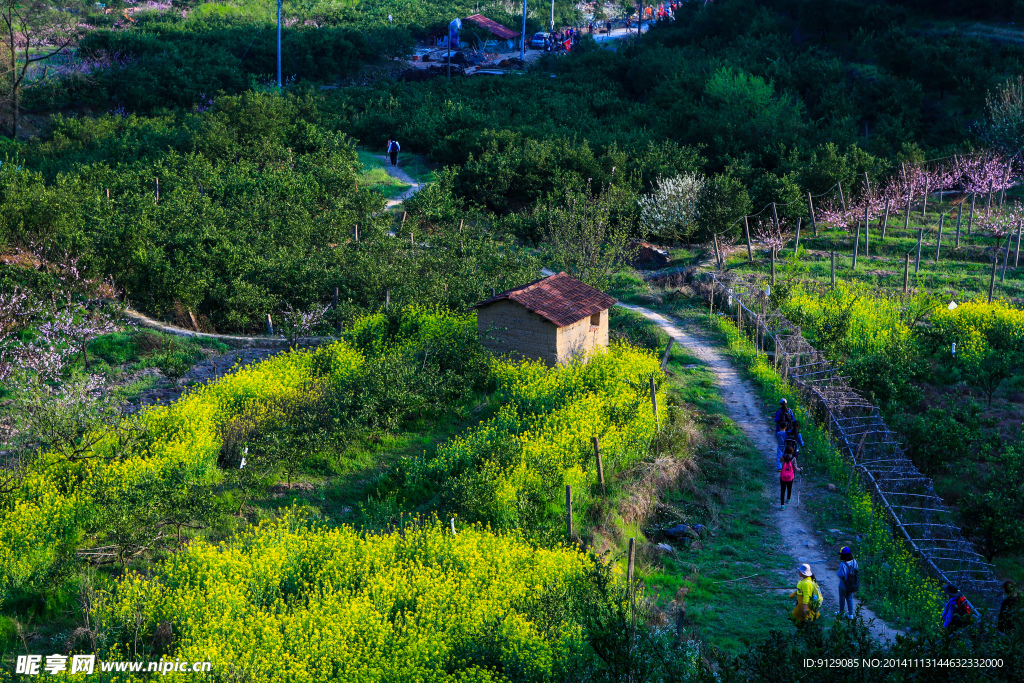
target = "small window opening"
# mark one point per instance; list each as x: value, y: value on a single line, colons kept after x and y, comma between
x: 595, y: 320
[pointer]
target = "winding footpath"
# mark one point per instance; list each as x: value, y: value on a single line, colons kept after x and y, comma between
x: 795, y: 523
x: 397, y: 172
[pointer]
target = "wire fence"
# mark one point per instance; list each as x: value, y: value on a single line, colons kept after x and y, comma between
x: 856, y: 427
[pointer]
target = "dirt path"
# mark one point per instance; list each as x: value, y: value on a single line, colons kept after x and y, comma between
x: 795, y: 523
x: 397, y: 172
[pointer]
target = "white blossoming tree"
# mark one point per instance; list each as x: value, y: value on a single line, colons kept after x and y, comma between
x: 670, y: 211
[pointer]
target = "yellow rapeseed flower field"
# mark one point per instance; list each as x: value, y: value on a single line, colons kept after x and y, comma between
x: 291, y: 602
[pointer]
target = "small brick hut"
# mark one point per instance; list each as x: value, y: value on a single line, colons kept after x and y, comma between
x: 554, y: 319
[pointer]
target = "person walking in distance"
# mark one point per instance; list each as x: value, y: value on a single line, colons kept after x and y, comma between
x: 786, y: 476
x: 808, y: 597
x: 849, y: 582
x: 958, y: 612
x: 393, y: 148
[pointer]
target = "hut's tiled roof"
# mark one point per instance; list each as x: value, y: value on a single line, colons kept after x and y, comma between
x: 493, y: 26
x: 560, y: 299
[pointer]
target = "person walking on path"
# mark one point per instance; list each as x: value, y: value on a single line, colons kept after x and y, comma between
x: 1009, y: 608
x: 393, y: 148
x: 849, y: 582
x: 808, y: 597
x: 794, y: 438
x: 959, y: 612
x: 780, y: 439
x: 783, y: 414
x: 786, y: 476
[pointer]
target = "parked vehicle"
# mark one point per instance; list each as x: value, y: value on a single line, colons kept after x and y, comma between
x: 539, y: 40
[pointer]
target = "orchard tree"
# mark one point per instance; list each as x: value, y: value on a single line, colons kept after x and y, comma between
x: 588, y: 233
x: 1004, y: 121
x: 670, y: 211
x: 992, y: 517
x: 34, y: 32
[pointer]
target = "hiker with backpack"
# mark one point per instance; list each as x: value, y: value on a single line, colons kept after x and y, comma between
x: 808, y: 597
x: 959, y: 612
x: 783, y: 414
x: 393, y: 148
x: 787, y: 474
x: 794, y: 438
x: 849, y: 582
x: 780, y: 439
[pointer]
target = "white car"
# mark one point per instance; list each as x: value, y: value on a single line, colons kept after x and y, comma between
x: 538, y: 41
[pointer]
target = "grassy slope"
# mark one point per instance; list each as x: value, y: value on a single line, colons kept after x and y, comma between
x: 374, y: 176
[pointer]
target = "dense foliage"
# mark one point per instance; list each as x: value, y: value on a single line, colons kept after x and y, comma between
x: 257, y: 205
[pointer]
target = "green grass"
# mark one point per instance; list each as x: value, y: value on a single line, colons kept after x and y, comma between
x: 418, y: 168
x: 374, y: 176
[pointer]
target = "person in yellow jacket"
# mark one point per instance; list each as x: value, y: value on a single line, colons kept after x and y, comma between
x: 808, y: 597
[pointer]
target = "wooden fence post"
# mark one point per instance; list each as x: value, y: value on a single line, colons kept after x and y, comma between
x: 906, y: 272
x: 906, y: 218
x: 718, y: 253
x: 156, y: 190
x: 810, y: 210
x: 867, y: 238
x: 746, y: 231
x: 885, y: 219
x: 959, y: 217
x: 568, y: 513
x: 1002, y: 190
x: 842, y: 200
x: 630, y: 566
x: 970, y: 217
x: 600, y: 464
x: 357, y: 232
x: 404, y: 214
x: 938, y: 242
x: 856, y: 246
x: 654, y: 403
x: 924, y: 202
x: 775, y: 216
x: 995, y: 264
x: 796, y: 243
x: 668, y: 350
x: 1016, y: 256
x: 270, y: 326
x: 108, y: 193
x: 336, y: 308
x: 833, y: 269
x: 387, y: 299
x: 917, y: 263
x: 1006, y: 257
x: 773, y: 266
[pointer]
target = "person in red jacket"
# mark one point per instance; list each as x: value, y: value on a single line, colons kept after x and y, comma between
x: 786, y: 476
